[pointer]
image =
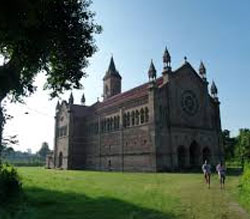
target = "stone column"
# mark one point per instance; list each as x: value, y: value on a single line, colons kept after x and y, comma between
x: 152, y: 124
x: 100, y: 142
x: 121, y: 138
x: 55, y: 163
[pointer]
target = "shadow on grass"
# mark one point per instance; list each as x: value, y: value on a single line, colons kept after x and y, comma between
x: 47, y: 204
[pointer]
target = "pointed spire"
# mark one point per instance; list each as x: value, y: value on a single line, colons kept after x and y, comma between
x: 112, y: 70
x: 152, y: 71
x: 166, y: 58
x: 58, y: 105
x: 83, y: 99
x: 71, y: 99
x: 112, y: 65
x: 202, y: 70
x: 214, y: 90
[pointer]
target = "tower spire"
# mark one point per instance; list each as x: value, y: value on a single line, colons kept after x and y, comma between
x: 111, y: 81
x: 152, y: 71
x: 112, y: 70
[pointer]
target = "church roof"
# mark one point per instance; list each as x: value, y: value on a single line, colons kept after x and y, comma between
x: 134, y: 93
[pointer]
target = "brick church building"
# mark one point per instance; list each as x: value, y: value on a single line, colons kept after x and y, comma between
x: 172, y: 122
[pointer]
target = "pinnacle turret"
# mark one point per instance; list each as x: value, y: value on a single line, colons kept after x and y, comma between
x: 166, y: 58
x: 83, y: 99
x: 58, y: 105
x: 152, y: 71
x: 202, y: 70
x: 71, y: 99
x: 214, y: 90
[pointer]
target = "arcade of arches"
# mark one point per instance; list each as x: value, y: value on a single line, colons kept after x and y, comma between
x: 192, y: 156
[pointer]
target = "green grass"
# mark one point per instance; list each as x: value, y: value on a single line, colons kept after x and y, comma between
x: 106, y: 195
x: 245, y: 187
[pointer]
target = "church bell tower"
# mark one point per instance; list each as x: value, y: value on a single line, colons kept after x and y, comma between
x: 111, y: 81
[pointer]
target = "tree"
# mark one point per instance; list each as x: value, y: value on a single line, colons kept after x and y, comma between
x: 243, y: 145
x: 44, y: 150
x: 55, y: 37
x: 229, y: 144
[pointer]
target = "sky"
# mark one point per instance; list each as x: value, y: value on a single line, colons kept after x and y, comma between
x: 136, y: 31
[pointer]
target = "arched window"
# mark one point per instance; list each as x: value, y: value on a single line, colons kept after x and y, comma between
x: 142, y: 115
x: 137, y: 117
x: 118, y: 122
x: 115, y: 123
x: 128, y: 119
x: 111, y: 124
x: 146, y: 115
x: 133, y: 117
x: 60, y: 161
x: 109, y: 165
x: 106, y: 89
x: 105, y: 125
x: 108, y: 124
x: 124, y: 120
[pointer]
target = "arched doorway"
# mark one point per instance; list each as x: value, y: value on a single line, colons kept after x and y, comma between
x: 109, y: 165
x: 60, y: 160
x: 181, y: 154
x: 206, y: 154
x: 194, y: 153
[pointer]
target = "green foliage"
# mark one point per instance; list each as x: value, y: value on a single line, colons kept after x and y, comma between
x: 245, y: 186
x: 229, y: 144
x: 43, y: 35
x: 242, y: 149
x: 44, y: 150
x: 10, y: 183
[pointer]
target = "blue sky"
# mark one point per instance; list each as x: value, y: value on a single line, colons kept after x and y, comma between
x: 136, y: 31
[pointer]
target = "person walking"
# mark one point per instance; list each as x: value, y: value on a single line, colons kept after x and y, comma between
x: 206, y: 168
x: 221, y: 169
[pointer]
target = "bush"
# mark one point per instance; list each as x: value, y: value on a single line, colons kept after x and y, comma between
x: 245, y: 186
x: 10, y: 183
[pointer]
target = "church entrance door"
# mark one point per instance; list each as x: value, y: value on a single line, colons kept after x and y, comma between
x: 206, y: 154
x: 194, y: 152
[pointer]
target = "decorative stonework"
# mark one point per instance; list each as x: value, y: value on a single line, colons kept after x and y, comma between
x: 189, y: 102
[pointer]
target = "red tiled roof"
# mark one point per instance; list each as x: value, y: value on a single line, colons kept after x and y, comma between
x: 127, y: 95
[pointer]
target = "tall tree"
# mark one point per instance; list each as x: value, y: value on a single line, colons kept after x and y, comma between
x: 44, y: 150
x: 55, y: 37
x: 243, y: 145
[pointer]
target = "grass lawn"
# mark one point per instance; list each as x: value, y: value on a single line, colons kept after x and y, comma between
x: 57, y: 194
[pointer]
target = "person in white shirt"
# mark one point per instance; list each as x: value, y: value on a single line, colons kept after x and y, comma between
x: 206, y: 168
x: 221, y: 169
